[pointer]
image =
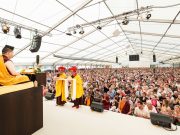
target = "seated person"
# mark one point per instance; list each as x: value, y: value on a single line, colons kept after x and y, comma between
x: 165, y: 108
x: 176, y: 114
x: 140, y: 110
x: 124, y: 106
x: 8, y: 75
x: 106, y: 102
x: 149, y: 108
x: 88, y: 100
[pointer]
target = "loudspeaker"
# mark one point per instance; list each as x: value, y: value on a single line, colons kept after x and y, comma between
x: 37, y: 59
x: 116, y: 59
x: 133, y: 57
x: 97, y: 100
x: 49, y: 96
x: 154, y: 58
x: 97, y: 106
x: 36, y: 43
x: 161, y: 120
x: 17, y: 32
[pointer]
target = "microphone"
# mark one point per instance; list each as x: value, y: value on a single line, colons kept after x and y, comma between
x: 37, y: 59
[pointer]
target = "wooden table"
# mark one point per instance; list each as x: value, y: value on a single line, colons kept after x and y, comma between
x: 21, y: 112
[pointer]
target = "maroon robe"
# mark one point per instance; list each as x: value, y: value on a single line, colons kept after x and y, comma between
x: 59, y: 102
x: 126, y: 108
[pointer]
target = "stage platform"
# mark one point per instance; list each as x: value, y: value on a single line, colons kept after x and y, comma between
x: 70, y: 121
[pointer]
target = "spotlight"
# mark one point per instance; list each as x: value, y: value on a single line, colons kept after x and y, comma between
x: 17, y: 32
x: 74, y: 31
x: 81, y: 31
x: 99, y: 27
x: 68, y: 32
x: 78, y: 26
x: 5, y: 28
x: 125, y: 21
x: 148, y: 16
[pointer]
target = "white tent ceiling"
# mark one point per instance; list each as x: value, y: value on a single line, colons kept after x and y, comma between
x: 94, y: 43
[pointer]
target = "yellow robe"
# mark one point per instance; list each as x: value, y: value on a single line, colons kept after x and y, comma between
x: 79, y: 86
x: 60, y: 87
x: 6, y: 78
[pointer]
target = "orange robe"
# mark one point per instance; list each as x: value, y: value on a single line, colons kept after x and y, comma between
x: 88, y: 101
x: 6, y: 78
x: 121, y: 105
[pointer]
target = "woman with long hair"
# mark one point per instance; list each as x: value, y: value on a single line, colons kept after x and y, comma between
x: 165, y: 108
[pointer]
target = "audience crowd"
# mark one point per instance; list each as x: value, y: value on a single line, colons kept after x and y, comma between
x: 131, y: 91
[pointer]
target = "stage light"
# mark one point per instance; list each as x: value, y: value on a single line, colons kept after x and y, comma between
x: 148, y: 16
x: 74, y: 31
x: 125, y: 21
x: 5, y: 28
x: 68, y: 32
x: 81, y: 31
x: 17, y: 32
x: 99, y: 27
x: 78, y: 26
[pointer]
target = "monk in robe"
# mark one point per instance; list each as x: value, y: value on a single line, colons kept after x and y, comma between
x: 79, y: 87
x: 87, y: 100
x: 60, y: 87
x: 8, y: 74
x: 124, y: 106
x: 106, y: 101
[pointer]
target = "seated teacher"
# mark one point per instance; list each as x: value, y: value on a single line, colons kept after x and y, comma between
x: 8, y: 74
